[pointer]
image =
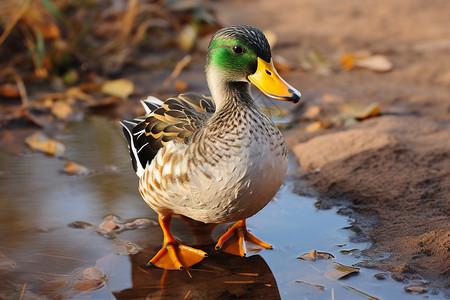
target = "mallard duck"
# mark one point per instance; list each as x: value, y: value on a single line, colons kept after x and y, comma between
x: 214, y: 161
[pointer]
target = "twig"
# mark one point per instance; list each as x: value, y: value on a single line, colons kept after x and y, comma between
x: 14, y: 21
x: 22, y: 90
x: 23, y: 291
x: 183, y: 63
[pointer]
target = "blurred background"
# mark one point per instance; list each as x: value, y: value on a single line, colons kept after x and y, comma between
x: 371, y: 135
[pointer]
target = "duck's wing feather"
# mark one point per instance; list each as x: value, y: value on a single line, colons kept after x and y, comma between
x: 175, y: 119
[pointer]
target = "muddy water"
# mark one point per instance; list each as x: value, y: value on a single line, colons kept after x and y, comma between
x: 49, y: 236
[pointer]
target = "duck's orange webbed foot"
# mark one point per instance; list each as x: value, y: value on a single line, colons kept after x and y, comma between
x: 238, y: 241
x: 174, y: 255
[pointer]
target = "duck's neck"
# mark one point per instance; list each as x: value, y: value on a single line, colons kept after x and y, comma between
x: 226, y: 92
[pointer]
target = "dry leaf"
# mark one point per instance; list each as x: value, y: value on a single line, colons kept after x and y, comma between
x: 72, y: 168
x: 378, y: 63
x: 122, y: 247
x: 317, y: 126
x: 312, y: 112
x: 110, y: 224
x: 187, y: 38
x: 39, y: 141
x: 88, y: 285
x: 180, y: 85
x: 358, y: 112
x: 140, y: 223
x: 337, y: 271
x: 325, y: 255
x: 61, y: 110
x: 121, y: 88
x: 310, y: 256
x: 9, y: 90
x: 93, y: 273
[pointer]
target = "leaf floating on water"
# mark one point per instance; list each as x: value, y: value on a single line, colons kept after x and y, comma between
x: 93, y: 273
x: 416, y: 289
x: 123, y: 247
x: 319, y: 288
x: 121, y: 88
x: 110, y: 224
x: 140, y: 223
x: 314, y: 254
x: 39, y: 141
x: 337, y: 271
x: 88, y: 285
x: 72, y: 168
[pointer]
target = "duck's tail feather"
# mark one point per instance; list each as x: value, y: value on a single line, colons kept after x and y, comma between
x: 134, y: 130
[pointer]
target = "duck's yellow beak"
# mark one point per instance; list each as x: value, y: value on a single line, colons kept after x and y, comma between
x: 270, y: 83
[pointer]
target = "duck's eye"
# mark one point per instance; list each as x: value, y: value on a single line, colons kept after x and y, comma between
x: 238, y: 49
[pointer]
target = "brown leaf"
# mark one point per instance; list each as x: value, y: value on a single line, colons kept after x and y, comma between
x: 337, y: 271
x: 140, y: 223
x: 61, y: 110
x: 88, y: 284
x: 110, y: 224
x: 317, y: 126
x: 377, y: 63
x: 9, y: 90
x: 310, y: 256
x: 122, y: 247
x: 72, y: 168
x: 93, y: 273
x: 180, y: 85
x: 121, y: 88
x: 351, y: 112
x: 39, y: 141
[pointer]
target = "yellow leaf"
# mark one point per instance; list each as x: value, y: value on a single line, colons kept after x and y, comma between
x: 39, y: 141
x: 61, y: 110
x: 72, y: 168
x: 121, y: 88
x: 317, y: 126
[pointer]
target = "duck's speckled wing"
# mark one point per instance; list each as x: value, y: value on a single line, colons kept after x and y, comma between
x: 175, y: 119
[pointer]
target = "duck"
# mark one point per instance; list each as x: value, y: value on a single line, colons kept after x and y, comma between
x: 217, y: 159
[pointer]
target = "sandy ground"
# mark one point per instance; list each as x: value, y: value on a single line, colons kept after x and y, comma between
x: 391, y: 171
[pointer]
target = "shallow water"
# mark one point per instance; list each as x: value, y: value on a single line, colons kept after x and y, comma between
x: 45, y: 256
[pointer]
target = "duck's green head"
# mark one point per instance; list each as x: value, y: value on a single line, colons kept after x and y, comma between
x: 241, y: 53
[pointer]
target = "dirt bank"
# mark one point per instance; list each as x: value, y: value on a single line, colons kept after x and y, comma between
x: 394, y: 168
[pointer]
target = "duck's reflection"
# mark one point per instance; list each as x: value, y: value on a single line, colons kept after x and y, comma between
x: 219, y: 276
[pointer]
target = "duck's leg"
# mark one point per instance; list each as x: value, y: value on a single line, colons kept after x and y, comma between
x: 237, y: 240
x: 174, y: 255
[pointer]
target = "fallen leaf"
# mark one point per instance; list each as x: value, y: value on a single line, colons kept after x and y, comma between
x: 110, y: 224
x: 378, y: 63
x: 319, y: 288
x: 88, y: 284
x: 187, y: 38
x: 351, y: 112
x: 39, y: 141
x: 314, y: 254
x: 140, y: 223
x: 312, y: 112
x: 72, y: 168
x: 337, y: 271
x: 9, y: 90
x: 61, y: 110
x: 122, y: 247
x: 317, y: 126
x: 121, y: 88
x: 180, y: 85
x: 416, y: 289
x: 93, y: 273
